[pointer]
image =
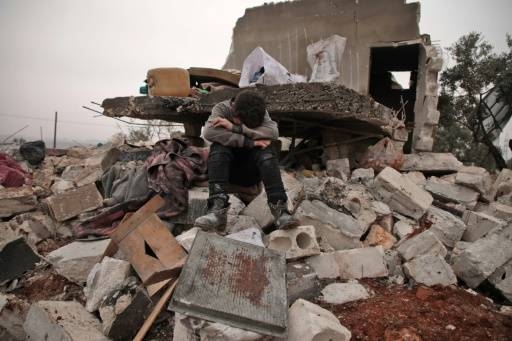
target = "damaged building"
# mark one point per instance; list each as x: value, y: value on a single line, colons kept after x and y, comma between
x: 341, y: 115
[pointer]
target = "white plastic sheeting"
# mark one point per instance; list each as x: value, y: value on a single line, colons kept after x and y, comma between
x: 324, y: 56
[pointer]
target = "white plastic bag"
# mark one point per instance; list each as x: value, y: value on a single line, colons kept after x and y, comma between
x: 260, y: 68
x: 323, y: 58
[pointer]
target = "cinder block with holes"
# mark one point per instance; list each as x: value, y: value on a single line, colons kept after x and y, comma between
x: 295, y: 243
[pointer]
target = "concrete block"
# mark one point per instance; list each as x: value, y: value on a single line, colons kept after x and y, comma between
x: 478, y: 225
x: 16, y: 257
x: 445, y: 191
x: 499, y: 211
x: 258, y: 208
x: 295, y: 243
x: 331, y: 191
x: 325, y: 265
x: 394, y: 263
x: 124, y: 310
x: 363, y: 175
x: 103, y: 279
x: 480, y: 259
x: 237, y: 223
x: 424, y: 243
x: 476, y: 178
x: 340, y: 230
x: 75, y: 201
x: 401, y: 194
x: 447, y: 227
x: 67, y: 321
x: 338, y: 168
x: 380, y: 208
x: 12, y: 317
x: 103, y: 159
x: 309, y: 322
x: 416, y: 177
x: 430, y: 270
x: 379, y: 236
x: 186, y: 239
x: 503, y: 180
x: 75, y: 260
x: 60, y: 186
x: 358, y: 202
x: 16, y: 200
x: 7, y: 232
x: 340, y: 293
x: 431, y: 163
x: 401, y: 229
x: 213, y: 331
x: 365, y: 262
x: 501, y: 279
x: 301, y: 282
x: 250, y: 236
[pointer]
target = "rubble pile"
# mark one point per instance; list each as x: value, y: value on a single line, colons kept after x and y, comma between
x: 66, y: 274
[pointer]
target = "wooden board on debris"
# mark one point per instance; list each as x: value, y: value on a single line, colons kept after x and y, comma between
x: 149, y: 246
x: 234, y: 283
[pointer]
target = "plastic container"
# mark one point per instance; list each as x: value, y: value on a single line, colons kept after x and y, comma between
x: 168, y: 82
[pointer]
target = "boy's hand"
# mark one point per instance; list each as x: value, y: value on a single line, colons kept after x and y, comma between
x: 262, y: 143
x: 222, y: 122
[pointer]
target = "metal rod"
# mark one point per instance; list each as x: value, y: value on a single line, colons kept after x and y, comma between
x: 55, y: 132
x: 13, y: 134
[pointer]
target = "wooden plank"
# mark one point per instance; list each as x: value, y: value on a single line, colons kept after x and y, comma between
x: 203, y: 74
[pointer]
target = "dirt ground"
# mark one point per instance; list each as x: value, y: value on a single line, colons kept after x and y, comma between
x: 422, y: 313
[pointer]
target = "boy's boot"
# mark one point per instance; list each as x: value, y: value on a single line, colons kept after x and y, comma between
x: 216, y: 218
x: 282, y: 217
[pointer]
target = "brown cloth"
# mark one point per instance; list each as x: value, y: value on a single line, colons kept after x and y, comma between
x: 172, y: 168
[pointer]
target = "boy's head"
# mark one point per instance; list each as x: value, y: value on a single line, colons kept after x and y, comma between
x: 249, y: 107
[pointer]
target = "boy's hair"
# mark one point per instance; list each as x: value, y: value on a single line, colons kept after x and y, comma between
x: 249, y: 106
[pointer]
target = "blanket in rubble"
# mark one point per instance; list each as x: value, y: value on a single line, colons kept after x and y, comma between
x: 172, y: 168
x: 11, y: 173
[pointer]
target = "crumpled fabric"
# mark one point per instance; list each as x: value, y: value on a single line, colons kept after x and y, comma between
x: 11, y: 173
x: 172, y: 168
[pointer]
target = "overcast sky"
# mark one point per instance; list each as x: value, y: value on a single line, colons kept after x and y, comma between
x: 57, y: 55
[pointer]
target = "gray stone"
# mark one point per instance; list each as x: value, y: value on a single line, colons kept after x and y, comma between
x: 301, y: 282
x: 6, y: 232
x: 501, y: 185
x: 365, y: 262
x: 60, y: 186
x: 401, y: 229
x: 477, y: 178
x: 501, y: 279
x: 11, y: 318
x: 380, y: 208
x: 331, y: 191
x: 325, y: 265
x: 214, y: 331
x: 186, y: 239
x: 75, y: 260
x: 16, y: 257
x: 338, y: 168
x: 181, y: 332
x: 430, y: 270
x: 251, y: 235
x: 16, y: 200
x: 478, y: 225
x: 424, y: 243
x: 104, y: 278
x: 309, y: 322
x: 447, y: 227
x: 75, y: 201
x: 416, y: 177
x: 500, y: 211
x: 359, y: 203
x: 340, y: 293
x: 363, y: 175
x: 69, y: 321
x: 431, y: 162
x: 340, y: 230
x: 295, y: 243
x: 394, y: 263
x: 401, y: 194
x: 237, y: 223
x: 258, y: 208
x: 447, y: 192
x: 479, y: 260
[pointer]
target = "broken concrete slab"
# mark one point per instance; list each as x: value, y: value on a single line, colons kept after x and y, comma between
x: 12, y: 316
x: 365, y: 262
x: 430, y: 270
x: 340, y: 230
x: 60, y: 186
x: 445, y: 191
x: 250, y: 235
x: 54, y: 320
x: 338, y: 168
x: 186, y: 239
x: 341, y: 293
x: 478, y: 225
x: 16, y: 257
x: 447, y: 227
x: 363, y: 175
x: 325, y: 265
x: 104, y: 278
x: 379, y: 236
x: 237, y: 223
x: 401, y: 194
x: 295, y: 243
x: 309, y: 322
x: 301, y: 282
x: 417, y: 177
x: 501, y: 185
x: 222, y: 265
x: 123, y: 311
x: 501, y: 279
x: 424, y: 243
x: 358, y: 201
x: 402, y: 229
x: 222, y: 332
x: 16, y: 200
x: 330, y: 191
x: 431, y: 163
x: 480, y: 259
x: 394, y: 263
x: 258, y: 208
x: 75, y: 201
x: 476, y: 178
x: 499, y: 210
x: 75, y: 260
